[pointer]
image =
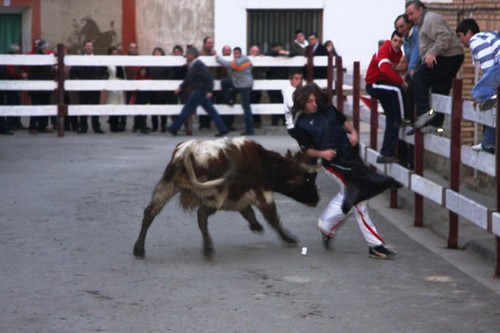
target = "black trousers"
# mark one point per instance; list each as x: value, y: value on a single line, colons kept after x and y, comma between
x: 89, y: 98
x: 39, y: 123
x: 437, y: 80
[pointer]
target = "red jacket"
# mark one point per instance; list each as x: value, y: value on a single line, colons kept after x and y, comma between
x: 383, y: 64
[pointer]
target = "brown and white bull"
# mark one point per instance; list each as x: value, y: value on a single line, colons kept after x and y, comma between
x: 230, y: 174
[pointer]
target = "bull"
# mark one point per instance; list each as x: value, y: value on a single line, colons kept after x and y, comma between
x: 231, y: 174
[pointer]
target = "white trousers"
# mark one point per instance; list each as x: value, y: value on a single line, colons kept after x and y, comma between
x: 332, y: 217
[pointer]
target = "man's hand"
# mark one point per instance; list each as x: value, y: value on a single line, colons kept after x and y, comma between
x: 430, y: 60
x: 328, y: 154
x: 209, y: 95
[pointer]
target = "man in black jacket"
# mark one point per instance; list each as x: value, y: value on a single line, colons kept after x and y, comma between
x: 201, y: 83
x: 89, y: 97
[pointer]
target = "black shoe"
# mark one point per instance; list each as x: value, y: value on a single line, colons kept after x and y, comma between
x: 221, y: 134
x: 404, y: 123
x: 98, y: 131
x: 231, y: 129
x: 169, y: 130
x: 411, y: 132
x: 431, y: 129
x: 489, y: 104
x: 247, y: 133
x: 163, y: 129
x: 380, y: 252
x: 231, y: 102
x: 144, y: 131
x: 82, y: 131
x: 386, y: 159
x: 490, y: 149
x: 6, y: 133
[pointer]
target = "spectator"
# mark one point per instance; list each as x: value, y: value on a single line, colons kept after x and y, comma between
x: 89, y: 97
x: 201, y: 83
x: 115, y: 97
x: 407, y: 67
x: 13, y: 96
x: 223, y: 73
x: 299, y: 45
x: 141, y: 97
x: 385, y: 84
x: 130, y: 74
x: 3, y: 101
x: 277, y: 73
x: 321, y: 132
x: 207, y: 49
x: 159, y: 97
x: 330, y: 48
x: 318, y: 50
x: 296, y: 80
x: 485, y: 50
x: 38, y: 124
x: 240, y: 81
x: 441, y: 54
x: 178, y: 73
x: 259, y: 73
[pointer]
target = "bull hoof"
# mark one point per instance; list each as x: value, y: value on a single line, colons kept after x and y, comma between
x: 209, y: 254
x: 257, y: 228
x: 139, y: 253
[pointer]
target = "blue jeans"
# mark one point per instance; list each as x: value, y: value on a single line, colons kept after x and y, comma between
x: 487, y: 85
x: 197, y: 98
x: 482, y: 91
x: 227, y: 93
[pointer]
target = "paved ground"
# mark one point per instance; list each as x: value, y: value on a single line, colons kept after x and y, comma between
x: 71, y: 209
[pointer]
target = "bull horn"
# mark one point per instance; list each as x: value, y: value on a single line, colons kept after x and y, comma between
x: 188, y: 164
x: 310, y: 168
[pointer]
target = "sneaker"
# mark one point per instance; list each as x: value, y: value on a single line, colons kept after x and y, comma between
x: 489, y: 104
x: 325, y: 239
x: 477, y: 147
x: 431, y: 129
x: 424, y: 119
x: 490, y: 150
x: 386, y: 159
x: 411, y: 131
x: 405, y: 122
x: 380, y: 252
x: 171, y: 131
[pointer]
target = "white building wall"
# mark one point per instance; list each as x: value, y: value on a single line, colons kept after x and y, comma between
x: 354, y: 26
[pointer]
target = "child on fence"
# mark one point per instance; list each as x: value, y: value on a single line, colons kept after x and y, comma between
x: 485, y: 50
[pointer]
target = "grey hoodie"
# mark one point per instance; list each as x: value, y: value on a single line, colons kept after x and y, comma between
x: 241, y: 71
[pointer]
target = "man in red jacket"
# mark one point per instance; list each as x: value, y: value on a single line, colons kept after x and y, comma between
x: 387, y: 85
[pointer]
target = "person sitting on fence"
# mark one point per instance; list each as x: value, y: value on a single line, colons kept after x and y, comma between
x: 241, y: 81
x: 201, y: 83
x: 485, y: 50
x: 386, y: 84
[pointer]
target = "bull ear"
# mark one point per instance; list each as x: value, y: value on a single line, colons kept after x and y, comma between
x: 288, y: 154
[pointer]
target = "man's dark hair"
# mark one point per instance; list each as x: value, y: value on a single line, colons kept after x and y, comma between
x: 314, y: 34
x: 466, y: 25
x: 294, y: 71
x: 416, y: 3
x: 205, y: 39
x: 298, y: 31
x: 396, y: 33
x: 404, y: 17
x: 193, y: 51
x: 178, y: 47
x: 237, y: 48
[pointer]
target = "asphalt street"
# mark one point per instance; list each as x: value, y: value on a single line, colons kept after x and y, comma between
x: 71, y: 209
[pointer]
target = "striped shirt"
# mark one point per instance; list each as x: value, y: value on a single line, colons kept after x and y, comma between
x: 485, y: 49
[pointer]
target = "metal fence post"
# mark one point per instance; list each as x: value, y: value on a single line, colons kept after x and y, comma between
x: 455, y: 157
x: 62, y: 108
x: 339, y: 83
x: 356, y: 82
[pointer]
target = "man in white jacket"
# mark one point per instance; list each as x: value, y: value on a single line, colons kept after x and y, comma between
x: 296, y: 80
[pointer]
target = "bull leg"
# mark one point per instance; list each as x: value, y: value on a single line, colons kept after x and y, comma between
x: 249, y: 215
x: 163, y: 192
x: 268, y: 210
x: 203, y: 213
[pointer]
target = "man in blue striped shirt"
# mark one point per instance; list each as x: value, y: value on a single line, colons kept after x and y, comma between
x: 485, y: 50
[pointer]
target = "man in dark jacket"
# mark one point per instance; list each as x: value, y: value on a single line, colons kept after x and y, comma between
x: 201, y: 83
x: 89, y: 97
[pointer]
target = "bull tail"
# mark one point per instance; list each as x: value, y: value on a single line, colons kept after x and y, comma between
x: 188, y: 164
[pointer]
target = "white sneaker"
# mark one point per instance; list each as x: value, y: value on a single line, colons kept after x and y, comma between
x: 477, y: 147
